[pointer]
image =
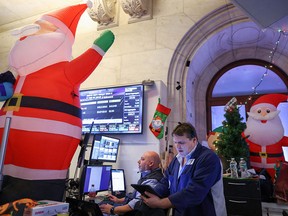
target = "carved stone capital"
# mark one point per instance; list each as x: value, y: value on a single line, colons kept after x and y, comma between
x: 103, y: 12
x: 137, y: 9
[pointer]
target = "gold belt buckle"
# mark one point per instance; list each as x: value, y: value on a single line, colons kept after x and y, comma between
x: 13, y: 103
x: 263, y: 154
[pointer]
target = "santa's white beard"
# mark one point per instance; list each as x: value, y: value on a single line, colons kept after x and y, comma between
x: 38, y: 51
x: 264, y: 133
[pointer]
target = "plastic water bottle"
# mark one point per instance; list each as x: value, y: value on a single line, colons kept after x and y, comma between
x: 233, y: 168
x: 243, y: 168
x: 92, y: 191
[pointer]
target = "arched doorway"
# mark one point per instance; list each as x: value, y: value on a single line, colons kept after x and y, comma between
x: 236, y: 80
x: 224, y: 36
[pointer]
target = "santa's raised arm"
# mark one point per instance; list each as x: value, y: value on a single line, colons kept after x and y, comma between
x: 45, y: 107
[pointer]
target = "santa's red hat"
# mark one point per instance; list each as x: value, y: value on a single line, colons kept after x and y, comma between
x: 270, y: 101
x: 67, y: 18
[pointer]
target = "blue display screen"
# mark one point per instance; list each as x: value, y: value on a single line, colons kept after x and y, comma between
x: 99, y: 176
x: 115, y: 110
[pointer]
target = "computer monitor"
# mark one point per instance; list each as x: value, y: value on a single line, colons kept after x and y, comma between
x: 114, y: 110
x: 118, y: 184
x: 104, y: 149
x: 99, y: 176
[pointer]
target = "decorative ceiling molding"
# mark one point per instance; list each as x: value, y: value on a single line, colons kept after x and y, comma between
x: 138, y: 10
x: 105, y: 13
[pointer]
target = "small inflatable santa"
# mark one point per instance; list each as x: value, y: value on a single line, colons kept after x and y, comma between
x: 45, y: 107
x: 266, y: 133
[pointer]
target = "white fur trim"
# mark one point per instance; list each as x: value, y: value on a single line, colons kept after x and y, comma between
x: 33, y: 174
x: 60, y: 25
x: 267, y: 105
x: 98, y: 49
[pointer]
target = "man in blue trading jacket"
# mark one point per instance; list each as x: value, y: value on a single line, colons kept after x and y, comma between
x: 193, y: 180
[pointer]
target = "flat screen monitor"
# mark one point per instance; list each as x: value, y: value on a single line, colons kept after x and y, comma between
x: 99, y: 176
x: 114, y: 110
x: 118, y: 184
x: 104, y: 149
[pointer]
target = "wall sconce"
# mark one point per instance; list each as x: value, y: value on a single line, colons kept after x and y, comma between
x: 178, y: 87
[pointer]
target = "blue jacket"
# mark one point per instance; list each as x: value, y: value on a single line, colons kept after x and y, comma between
x: 199, y: 189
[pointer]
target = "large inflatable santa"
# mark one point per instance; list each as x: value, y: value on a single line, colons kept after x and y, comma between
x: 45, y: 111
x: 266, y: 133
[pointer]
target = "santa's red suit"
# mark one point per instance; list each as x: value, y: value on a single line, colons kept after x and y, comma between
x: 45, y: 108
x: 266, y: 133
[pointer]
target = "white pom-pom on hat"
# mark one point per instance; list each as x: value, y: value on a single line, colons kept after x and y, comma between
x: 89, y: 4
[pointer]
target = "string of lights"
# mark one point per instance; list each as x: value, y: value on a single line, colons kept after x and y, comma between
x: 268, y: 67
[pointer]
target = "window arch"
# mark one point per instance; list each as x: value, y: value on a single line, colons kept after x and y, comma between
x: 237, y: 80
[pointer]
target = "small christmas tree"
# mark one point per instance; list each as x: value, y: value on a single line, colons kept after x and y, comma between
x: 230, y: 143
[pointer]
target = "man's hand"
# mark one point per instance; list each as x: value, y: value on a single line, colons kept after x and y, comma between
x: 151, y: 200
x: 154, y: 201
x: 105, y: 208
x: 115, y: 199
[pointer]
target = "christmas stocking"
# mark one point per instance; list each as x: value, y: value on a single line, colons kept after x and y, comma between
x: 159, y: 118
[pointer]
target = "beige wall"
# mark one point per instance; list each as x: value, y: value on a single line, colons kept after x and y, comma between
x: 141, y: 50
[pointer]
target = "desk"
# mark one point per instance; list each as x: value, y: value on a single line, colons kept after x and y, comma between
x: 242, y: 196
x: 273, y: 209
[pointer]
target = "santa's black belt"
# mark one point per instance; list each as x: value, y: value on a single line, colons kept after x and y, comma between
x: 265, y: 155
x: 15, y: 102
